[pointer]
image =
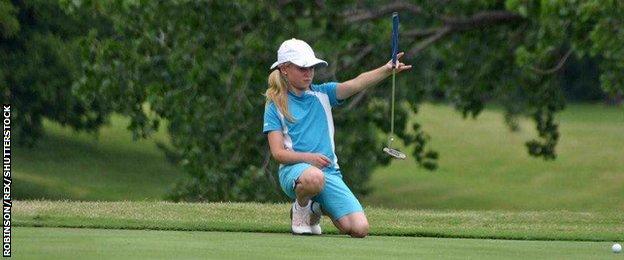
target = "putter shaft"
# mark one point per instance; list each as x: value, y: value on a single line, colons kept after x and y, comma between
x: 392, y: 108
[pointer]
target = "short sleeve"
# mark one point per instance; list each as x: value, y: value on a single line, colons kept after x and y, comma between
x: 272, y: 120
x: 330, y: 88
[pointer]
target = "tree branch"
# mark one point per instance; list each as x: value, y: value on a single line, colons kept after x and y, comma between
x: 353, y: 16
x: 360, y: 55
x: 453, y: 24
x: 283, y: 2
x: 320, y: 4
x: 481, y: 20
x: 478, y: 20
x: 556, y: 68
x: 331, y: 71
x: 418, y: 33
x: 441, y: 32
x: 357, y: 99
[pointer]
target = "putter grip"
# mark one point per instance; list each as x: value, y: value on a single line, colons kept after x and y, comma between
x: 395, y: 38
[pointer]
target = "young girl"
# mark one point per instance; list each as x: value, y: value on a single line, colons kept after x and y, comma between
x: 300, y: 129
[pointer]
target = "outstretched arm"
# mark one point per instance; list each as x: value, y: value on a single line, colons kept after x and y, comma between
x: 370, y: 78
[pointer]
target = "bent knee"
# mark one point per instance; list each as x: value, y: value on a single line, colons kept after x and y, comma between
x: 314, y: 179
x: 359, y: 231
x: 358, y: 234
x: 318, y: 179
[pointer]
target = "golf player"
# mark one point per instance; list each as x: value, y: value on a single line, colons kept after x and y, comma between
x: 300, y: 130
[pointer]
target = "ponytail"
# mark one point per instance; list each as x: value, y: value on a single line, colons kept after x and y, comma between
x: 278, y: 93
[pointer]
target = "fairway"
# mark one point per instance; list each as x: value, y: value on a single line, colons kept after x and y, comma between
x: 484, y: 166
x: 65, y: 243
x: 79, y: 166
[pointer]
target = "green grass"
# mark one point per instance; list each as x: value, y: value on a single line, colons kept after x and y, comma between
x: 80, y: 166
x: 487, y: 187
x: 485, y: 166
x: 274, y: 218
x: 63, y: 243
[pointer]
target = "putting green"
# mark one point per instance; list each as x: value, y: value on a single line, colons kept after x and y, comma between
x: 67, y: 243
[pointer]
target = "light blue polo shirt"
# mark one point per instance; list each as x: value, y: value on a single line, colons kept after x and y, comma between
x: 313, y: 129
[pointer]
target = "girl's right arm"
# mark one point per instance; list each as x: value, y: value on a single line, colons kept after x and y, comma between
x: 285, y: 156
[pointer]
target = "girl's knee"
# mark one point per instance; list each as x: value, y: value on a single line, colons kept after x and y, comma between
x: 312, y: 179
x: 344, y: 227
x: 359, y: 230
x: 354, y: 225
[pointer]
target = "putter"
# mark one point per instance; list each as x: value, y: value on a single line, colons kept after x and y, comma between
x: 395, y: 49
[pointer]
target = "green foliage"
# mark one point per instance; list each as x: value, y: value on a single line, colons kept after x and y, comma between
x: 39, y: 63
x: 202, y: 66
x: 515, y: 63
x: 580, y: 80
x: 207, y: 80
x: 552, y: 29
x: 8, y: 20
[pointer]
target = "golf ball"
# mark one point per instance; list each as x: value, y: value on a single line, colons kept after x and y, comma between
x: 616, y: 248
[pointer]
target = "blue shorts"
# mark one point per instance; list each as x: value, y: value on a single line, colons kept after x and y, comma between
x: 336, y: 198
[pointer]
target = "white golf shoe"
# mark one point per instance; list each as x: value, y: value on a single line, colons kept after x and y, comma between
x: 300, y: 219
x: 315, y: 218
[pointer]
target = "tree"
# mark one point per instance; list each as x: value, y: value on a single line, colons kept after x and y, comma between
x: 202, y: 66
x: 39, y: 63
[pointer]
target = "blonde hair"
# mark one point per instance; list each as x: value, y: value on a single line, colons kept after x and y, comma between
x: 278, y: 93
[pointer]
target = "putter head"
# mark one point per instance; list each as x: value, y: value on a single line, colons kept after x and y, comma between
x: 394, y: 153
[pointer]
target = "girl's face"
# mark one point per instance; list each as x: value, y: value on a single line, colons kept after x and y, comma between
x: 299, y: 77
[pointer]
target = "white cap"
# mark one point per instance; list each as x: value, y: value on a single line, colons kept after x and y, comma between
x: 298, y: 52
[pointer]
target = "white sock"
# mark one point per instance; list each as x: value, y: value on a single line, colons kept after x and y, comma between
x: 299, y: 207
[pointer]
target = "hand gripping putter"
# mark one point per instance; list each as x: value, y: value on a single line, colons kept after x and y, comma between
x: 395, y: 48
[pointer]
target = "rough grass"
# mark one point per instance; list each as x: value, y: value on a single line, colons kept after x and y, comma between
x: 273, y: 218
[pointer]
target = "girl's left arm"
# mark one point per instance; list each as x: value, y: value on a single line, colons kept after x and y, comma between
x: 370, y: 78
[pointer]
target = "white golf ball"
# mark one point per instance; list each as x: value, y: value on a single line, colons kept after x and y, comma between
x: 616, y: 248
